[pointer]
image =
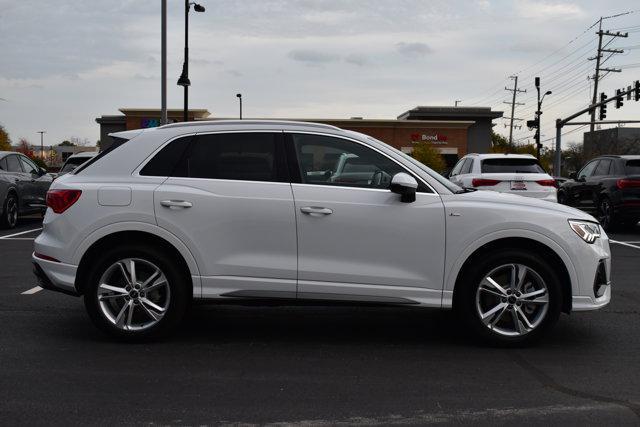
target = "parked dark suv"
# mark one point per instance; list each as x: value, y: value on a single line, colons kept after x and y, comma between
x: 23, y: 187
x: 609, y: 188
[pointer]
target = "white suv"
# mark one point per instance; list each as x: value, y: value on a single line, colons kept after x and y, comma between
x: 253, y: 210
x: 520, y: 174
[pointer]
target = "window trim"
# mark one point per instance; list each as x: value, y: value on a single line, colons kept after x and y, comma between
x: 24, y: 158
x: 608, y: 172
x: 297, y: 171
x: 584, y: 167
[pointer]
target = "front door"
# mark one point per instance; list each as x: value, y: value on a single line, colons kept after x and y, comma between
x: 230, y: 200
x: 356, y: 239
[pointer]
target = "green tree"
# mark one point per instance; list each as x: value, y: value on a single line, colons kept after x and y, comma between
x: 5, y: 141
x: 499, y: 143
x: 426, y: 154
x: 67, y: 144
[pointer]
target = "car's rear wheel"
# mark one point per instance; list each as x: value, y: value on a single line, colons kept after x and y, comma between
x: 9, y: 212
x: 136, y: 292
x: 509, y: 298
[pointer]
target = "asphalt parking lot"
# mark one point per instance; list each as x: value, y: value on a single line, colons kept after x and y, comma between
x: 308, y: 365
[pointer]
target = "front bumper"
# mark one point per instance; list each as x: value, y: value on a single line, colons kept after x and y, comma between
x: 55, y: 276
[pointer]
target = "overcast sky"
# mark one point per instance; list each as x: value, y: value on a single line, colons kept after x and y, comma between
x: 63, y: 63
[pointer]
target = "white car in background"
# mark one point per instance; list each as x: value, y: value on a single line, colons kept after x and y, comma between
x: 75, y: 160
x: 519, y: 174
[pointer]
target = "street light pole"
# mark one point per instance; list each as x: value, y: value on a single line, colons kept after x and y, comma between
x: 184, y: 77
x: 538, y: 116
x: 163, y: 64
x: 42, y: 132
x: 239, y: 95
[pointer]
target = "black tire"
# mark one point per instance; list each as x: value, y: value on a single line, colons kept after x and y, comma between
x: 562, y: 198
x: 178, y: 283
x: 466, y: 303
x: 606, y: 216
x: 9, y: 212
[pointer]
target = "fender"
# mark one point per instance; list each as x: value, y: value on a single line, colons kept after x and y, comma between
x: 451, y: 274
x: 98, y: 234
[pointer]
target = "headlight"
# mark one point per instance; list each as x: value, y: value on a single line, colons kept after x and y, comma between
x: 588, y: 231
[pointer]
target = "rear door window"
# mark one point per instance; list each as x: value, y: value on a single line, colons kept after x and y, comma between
x: 587, y: 171
x: 511, y: 165
x: 13, y: 164
x: 632, y: 167
x: 250, y: 156
x: 602, y: 168
x: 468, y: 166
x: 457, y: 168
x: 164, y: 163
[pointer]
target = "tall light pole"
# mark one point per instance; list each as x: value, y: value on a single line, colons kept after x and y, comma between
x: 42, y: 132
x: 163, y: 64
x: 184, y: 77
x: 239, y: 95
x: 538, y: 114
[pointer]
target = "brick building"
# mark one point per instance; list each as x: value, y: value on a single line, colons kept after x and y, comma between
x: 454, y: 131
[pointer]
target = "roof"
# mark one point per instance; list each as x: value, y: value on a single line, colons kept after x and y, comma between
x: 620, y: 156
x: 448, y: 112
x: 248, y: 123
x: 501, y: 156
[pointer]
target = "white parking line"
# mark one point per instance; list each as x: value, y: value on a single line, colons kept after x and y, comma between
x: 32, y: 291
x: 20, y: 233
x: 624, y: 244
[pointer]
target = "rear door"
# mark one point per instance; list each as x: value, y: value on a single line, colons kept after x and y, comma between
x: 39, y: 183
x: 229, y: 199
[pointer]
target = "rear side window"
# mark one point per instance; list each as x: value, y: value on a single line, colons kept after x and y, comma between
x: 468, y: 165
x: 3, y: 164
x: 235, y: 156
x: 164, y: 163
x: 511, y: 165
x: 73, y: 162
x: 13, y: 164
x: 632, y: 167
x: 602, y: 168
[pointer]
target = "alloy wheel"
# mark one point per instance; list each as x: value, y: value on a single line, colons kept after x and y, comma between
x: 512, y: 300
x: 12, y: 212
x: 605, y: 213
x: 133, y: 294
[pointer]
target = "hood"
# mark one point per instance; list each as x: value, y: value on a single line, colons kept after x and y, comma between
x: 494, y: 197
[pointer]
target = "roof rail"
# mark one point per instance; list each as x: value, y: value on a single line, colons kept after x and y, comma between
x: 248, y: 122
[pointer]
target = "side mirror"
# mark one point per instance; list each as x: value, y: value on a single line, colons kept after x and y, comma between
x: 573, y: 175
x: 405, y: 185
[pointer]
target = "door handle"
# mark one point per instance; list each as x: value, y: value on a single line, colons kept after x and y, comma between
x: 316, y: 210
x: 172, y: 204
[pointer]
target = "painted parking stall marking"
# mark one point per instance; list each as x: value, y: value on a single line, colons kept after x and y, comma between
x: 32, y: 291
x: 14, y: 236
x: 625, y: 243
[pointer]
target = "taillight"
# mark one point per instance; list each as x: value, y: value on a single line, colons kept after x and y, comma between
x: 61, y: 200
x: 482, y: 182
x: 628, y: 183
x: 45, y: 257
x: 547, y: 183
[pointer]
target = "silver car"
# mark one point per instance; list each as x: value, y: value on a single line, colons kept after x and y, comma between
x: 23, y: 187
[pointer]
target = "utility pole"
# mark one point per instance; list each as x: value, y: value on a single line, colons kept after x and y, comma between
x: 239, y: 96
x: 513, y: 104
x: 42, y: 132
x: 598, y: 58
x: 163, y: 64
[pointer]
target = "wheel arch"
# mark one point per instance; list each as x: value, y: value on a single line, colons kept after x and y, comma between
x: 548, y: 253
x: 104, y: 240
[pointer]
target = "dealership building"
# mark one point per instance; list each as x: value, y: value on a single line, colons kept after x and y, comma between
x: 453, y: 131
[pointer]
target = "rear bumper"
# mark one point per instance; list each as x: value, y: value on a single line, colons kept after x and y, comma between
x: 55, y: 276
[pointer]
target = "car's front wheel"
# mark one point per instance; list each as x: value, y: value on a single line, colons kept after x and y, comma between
x: 510, y: 297
x: 136, y: 292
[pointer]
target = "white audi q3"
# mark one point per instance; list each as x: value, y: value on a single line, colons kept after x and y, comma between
x: 254, y: 210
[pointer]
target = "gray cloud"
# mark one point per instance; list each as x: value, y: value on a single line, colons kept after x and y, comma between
x: 356, y: 59
x: 413, y: 49
x: 312, y: 57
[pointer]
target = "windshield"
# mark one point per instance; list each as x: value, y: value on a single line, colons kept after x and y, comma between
x: 511, y: 165
x: 73, y: 163
x: 633, y: 167
x: 433, y: 174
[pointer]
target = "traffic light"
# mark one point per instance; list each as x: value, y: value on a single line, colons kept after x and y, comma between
x: 636, y: 91
x: 603, y: 107
x: 619, y: 99
x: 533, y: 124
